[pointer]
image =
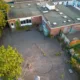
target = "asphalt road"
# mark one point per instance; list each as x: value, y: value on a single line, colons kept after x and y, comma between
x: 39, y: 54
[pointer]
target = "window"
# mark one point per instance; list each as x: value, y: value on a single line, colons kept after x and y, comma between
x: 26, y: 21
x: 29, y: 21
x: 21, y: 22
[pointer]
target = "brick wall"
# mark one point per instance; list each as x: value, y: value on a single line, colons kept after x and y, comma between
x: 37, y: 19
x: 65, y: 29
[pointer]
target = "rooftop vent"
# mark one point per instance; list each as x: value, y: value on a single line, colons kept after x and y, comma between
x: 78, y: 19
x: 12, y: 6
x: 64, y: 21
x: 54, y: 23
x: 69, y: 20
x: 29, y: 4
x: 60, y: 12
x: 64, y: 16
x: 57, y: 10
x: 38, y: 3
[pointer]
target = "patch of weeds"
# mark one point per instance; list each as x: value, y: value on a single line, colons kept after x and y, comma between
x: 62, y: 76
x: 58, y: 54
x: 67, y: 61
x: 50, y: 36
x: 44, y: 54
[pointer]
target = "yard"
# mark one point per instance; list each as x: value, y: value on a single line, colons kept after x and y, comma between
x: 40, y: 56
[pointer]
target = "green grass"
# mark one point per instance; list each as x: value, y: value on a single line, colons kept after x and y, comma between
x: 58, y: 54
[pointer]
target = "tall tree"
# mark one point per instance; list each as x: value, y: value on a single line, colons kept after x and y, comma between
x: 10, y: 63
x: 4, y: 8
x: 2, y: 22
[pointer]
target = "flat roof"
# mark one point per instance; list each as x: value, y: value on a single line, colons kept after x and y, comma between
x: 71, y: 36
x: 70, y: 12
x: 54, y: 17
x: 19, y: 10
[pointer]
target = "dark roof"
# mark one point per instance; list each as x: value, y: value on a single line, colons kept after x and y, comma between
x: 54, y: 17
x: 19, y: 10
x: 71, y: 12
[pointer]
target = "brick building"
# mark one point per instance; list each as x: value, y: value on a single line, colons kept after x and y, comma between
x: 50, y: 18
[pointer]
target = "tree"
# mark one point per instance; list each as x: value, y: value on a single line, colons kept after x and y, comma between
x: 10, y: 63
x: 4, y: 8
x: 2, y: 22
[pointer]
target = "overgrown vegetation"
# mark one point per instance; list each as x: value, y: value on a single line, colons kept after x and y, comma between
x: 19, y: 28
x: 75, y: 60
x: 10, y: 63
x: 75, y: 55
x: 76, y: 48
x: 75, y: 64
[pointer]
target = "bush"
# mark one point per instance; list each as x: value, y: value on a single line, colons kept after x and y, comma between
x: 75, y: 64
x: 10, y: 63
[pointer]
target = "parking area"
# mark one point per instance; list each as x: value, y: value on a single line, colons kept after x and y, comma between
x: 39, y: 53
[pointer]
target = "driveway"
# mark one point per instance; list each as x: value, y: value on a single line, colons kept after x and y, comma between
x: 39, y: 53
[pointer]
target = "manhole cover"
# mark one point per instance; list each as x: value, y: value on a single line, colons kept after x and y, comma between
x: 43, y: 66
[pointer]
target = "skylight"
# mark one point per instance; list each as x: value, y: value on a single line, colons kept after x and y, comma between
x: 60, y: 12
x: 69, y: 20
x: 57, y: 10
x: 64, y: 16
x: 64, y: 21
x: 78, y: 19
x: 54, y: 23
x: 29, y: 4
x: 38, y: 3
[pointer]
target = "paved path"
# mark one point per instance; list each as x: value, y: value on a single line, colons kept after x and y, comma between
x: 39, y: 56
